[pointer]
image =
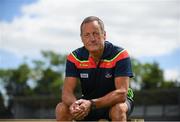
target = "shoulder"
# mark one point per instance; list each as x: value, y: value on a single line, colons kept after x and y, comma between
x: 114, y: 51
x: 78, y: 54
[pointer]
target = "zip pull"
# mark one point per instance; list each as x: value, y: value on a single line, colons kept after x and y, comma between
x: 98, y: 64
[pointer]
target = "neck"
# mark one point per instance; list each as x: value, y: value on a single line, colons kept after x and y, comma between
x: 97, y: 55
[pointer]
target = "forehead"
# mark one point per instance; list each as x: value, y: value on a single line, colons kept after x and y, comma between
x: 93, y: 25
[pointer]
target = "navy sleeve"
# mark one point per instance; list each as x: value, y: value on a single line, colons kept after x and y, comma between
x: 123, y: 68
x: 71, y: 70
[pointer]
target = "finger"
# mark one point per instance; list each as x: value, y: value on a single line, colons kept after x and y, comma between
x: 75, y: 111
x: 73, y: 106
x: 81, y: 115
x: 78, y: 102
x: 75, y: 114
x: 82, y: 107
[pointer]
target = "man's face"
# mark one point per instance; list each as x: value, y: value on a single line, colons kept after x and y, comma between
x: 92, y: 36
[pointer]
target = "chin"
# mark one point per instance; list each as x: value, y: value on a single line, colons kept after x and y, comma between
x: 93, y: 49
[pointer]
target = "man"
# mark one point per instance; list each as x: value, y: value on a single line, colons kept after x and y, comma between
x: 104, y: 71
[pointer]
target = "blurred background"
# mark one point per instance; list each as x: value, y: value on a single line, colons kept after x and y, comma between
x: 37, y: 35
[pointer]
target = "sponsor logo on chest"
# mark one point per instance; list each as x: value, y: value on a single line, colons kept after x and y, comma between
x: 84, y: 75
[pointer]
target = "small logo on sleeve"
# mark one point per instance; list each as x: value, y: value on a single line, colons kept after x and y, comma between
x: 84, y: 75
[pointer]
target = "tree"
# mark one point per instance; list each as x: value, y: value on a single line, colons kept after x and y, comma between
x: 149, y: 76
x: 49, y: 83
x: 16, y: 85
x: 49, y: 73
x: 136, y: 81
x: 152, y: 76
x: 53, y: 59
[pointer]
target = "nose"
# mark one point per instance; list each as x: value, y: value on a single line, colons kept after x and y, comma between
x: 91, y: 37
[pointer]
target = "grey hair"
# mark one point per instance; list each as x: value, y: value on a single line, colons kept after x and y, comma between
x: 90, y: 19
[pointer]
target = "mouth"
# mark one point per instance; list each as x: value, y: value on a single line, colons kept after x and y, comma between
x: 92, y: 44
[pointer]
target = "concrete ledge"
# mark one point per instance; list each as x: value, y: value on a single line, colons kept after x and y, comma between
x: 136, y: 120
x: 53, y: 120
x: 27, y: 120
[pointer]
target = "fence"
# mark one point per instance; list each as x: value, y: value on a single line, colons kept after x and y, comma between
x: 159, y: 105
x: 149, y: 105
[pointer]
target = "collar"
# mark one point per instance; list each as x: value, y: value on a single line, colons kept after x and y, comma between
x: 107, y: 50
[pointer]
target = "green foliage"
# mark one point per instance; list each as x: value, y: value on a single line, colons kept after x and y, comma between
x: 152, y: 76
x: 47, y: 75
x: 169, y: 84
x: 1, y: 103
x: 53, y: 58
x: 5, y: 75
x: 15, y: 80
x: 21, y: 75
x: 149, y: 76
x: 49, y: 83
x: 137, y: 70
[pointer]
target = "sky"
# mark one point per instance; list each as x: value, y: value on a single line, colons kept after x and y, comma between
x: 148, y: 29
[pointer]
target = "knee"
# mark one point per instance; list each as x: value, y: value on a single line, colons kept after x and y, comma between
x: 61, y: 111
x: 58, y: 106
x: 120, y: 108
x: 119, y: 111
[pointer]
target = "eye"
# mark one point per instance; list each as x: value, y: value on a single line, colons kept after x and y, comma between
x: 96, y: 34
x: 86, y: 35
